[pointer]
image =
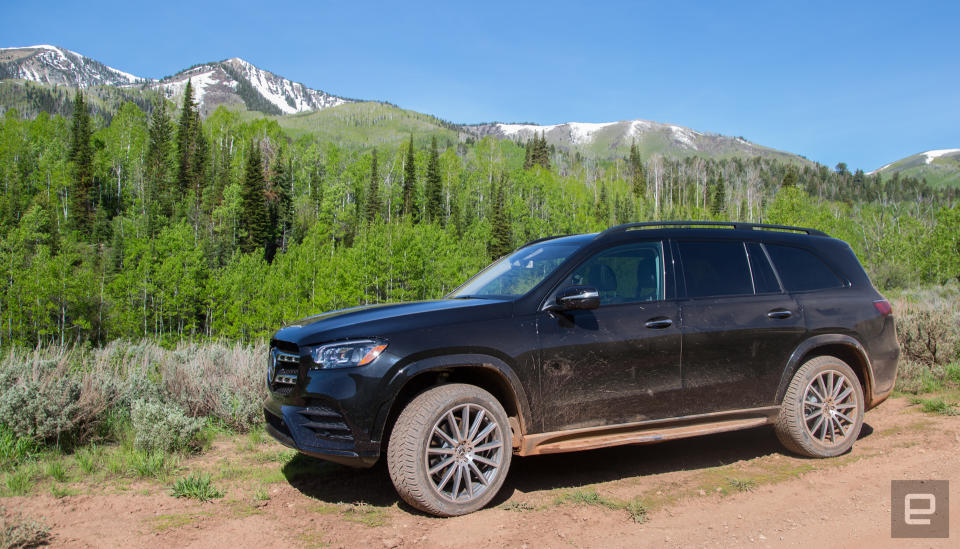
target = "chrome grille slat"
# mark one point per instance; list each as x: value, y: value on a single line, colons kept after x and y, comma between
x: 283, y: 371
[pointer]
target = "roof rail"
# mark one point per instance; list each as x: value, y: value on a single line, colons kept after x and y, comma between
x: 731, y: 224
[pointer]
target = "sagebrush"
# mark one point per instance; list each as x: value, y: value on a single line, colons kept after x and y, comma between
x: 64, y: 395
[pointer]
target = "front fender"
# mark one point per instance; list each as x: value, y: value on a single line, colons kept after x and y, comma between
x: 451, y: 362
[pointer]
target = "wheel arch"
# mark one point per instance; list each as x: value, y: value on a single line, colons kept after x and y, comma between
x: 842, y: 346
x: 485, y: 371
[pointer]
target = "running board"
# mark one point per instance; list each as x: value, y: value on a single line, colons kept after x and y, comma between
x: 646, y: 432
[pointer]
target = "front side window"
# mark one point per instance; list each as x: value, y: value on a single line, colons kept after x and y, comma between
x: 715, y: 268
x: 517, y: 273
x: 631, y: 273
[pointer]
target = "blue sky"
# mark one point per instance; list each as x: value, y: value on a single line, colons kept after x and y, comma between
x: 860, y: 82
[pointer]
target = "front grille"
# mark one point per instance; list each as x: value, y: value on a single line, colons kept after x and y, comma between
x: 283, y: 371
x: 326, y: 423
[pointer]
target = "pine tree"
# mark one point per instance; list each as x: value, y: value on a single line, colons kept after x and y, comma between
x: 528, y: 156
x: 159, y: 148
x: 409, y: 181
x: 281, y: 205
x: 434, y: 185
x: 81, y: 158
x: 790, y: 178
x: 719, y: 197
x: 602, y: 207
x: 500, y: 234
x: 540, y: 152
x: 254, y: 222
x: 372, y: 207
x: 637, y: 175
x: 191, y: 147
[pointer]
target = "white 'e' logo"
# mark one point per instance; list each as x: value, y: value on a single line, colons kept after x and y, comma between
x: 909, y: 512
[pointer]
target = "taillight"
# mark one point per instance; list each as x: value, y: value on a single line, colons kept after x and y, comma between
x: 883, y: 306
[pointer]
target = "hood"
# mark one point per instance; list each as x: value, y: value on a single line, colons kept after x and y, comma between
x: 388, y: 318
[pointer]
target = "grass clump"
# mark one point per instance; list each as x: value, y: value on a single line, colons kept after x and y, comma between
x: 14, y: 449
x: 18, y: 532
x: 196, y: 486
x: 936, y: 406
x: 635, y: 508
x: 637, y: 511
x: 517, y: 506
x: 20, y: 482
x: 366, y: 514
x: 742, y: 484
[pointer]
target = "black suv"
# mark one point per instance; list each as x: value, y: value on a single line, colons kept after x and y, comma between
x: 642, y: 333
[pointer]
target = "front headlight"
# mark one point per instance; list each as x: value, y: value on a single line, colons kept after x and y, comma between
x: 346, y: 354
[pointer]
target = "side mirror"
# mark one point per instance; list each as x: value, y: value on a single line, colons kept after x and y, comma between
x: 577, y: 297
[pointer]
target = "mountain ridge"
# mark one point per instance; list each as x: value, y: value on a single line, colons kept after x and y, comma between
x: 238, y: 84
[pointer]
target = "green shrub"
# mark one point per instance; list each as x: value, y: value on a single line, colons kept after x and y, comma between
x: 163, y: 427
x: 196, y: 486
x: 18, y: 532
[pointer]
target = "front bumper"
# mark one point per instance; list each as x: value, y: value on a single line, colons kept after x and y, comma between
x: 319, y: 431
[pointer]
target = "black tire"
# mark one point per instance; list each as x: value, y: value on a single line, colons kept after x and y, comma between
x: 803, y: 421
x: 416, y: 430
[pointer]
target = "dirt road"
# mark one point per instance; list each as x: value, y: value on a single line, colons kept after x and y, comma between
x: 735, y: 489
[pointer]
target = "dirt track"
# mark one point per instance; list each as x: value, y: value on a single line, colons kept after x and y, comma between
x: 735, y: 489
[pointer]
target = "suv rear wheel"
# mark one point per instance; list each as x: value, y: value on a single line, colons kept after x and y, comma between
x: 450, y: 450
x: 822, y: 411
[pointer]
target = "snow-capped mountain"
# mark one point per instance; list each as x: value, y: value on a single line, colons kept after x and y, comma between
x: 59, y: 66
x: 230, y: 82
x: 650, y: 136
x: 940, y: 167
x: 237, y: 81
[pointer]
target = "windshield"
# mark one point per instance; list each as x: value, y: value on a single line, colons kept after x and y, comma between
x: 517, y: 273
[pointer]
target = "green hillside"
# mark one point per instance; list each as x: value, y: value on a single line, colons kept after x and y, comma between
x: 364, y: 124
x: 941, y: 168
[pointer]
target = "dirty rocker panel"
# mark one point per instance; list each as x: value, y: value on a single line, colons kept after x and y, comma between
x: 645, y: 432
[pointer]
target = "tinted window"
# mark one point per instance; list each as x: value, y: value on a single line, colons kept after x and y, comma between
x: 764, y: 280
x: 715, y: 268
x: 624, y: 274
x: 801, y: 270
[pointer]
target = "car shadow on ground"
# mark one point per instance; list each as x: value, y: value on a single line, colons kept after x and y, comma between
x: 331, y: 483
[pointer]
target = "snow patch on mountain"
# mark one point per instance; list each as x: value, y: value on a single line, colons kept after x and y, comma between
x: 512, y: 130
x: 685, y: 136
x: 937, y: 153
x: 201, y: 79
x: 881, y: 168
x: 582, y: 132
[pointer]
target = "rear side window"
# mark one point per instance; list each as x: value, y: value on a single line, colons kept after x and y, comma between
x: 801, y: 270
x: 763, y: 278
x: 715, y: 268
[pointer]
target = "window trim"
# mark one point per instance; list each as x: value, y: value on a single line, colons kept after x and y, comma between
x: 763, y: 249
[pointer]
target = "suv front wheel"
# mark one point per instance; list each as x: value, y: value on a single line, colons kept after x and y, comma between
x: 822, y: 411
x: 450, y: 450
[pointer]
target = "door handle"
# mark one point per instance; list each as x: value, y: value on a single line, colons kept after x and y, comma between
x: 779, y: 314
x: 659, y: 323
